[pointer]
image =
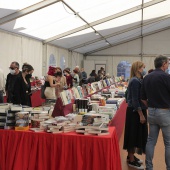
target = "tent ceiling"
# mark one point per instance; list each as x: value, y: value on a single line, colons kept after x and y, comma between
x: 73, y: 24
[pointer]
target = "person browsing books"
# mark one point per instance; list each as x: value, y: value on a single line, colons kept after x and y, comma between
x: 10, y: 81
x: 63, y: 83
x: 22, y: 86
x: 51, y: 83
x: 68, y: 78
x: 75, y: 78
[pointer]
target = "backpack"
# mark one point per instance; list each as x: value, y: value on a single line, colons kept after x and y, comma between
x: 42, y: 91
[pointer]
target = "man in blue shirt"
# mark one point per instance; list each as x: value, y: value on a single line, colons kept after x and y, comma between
x: 155, y: 93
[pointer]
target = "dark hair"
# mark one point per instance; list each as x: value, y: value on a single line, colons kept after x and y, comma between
x: 149, y: 71
x: 75, y: 71
x: 65, y: 70
x: 68, y: 69
x: 160, y: 60
x: 16, y: 63
x: 58, y: 74
x: 27, y: 67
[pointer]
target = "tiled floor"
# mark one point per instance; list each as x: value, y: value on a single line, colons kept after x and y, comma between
x: 159, y: 161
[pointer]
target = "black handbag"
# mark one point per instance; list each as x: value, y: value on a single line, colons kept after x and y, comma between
x: 42, y: 91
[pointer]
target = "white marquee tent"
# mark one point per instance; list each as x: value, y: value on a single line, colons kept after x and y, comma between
x: 93, y: 31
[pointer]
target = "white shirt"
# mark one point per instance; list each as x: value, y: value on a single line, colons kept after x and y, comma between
x: 2, y: 80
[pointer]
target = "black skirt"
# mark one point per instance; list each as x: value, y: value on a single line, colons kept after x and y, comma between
x: 135, y: 134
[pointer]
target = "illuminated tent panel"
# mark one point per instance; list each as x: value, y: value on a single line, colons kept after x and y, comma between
x: 84, y: 25
x: 76, y: 39
x: 10, y: 6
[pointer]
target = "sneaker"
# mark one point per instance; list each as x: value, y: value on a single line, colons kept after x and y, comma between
x: 136, y: 159
x: 135, y: 165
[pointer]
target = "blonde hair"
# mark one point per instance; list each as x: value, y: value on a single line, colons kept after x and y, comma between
x: 134, y: 72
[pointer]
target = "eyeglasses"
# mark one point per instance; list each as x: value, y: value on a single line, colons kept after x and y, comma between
x: 13, y: 68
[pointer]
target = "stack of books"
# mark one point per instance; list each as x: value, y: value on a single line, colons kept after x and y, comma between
x: 15, y: 107
x: 7, y: 119
x: 55, y: 128
x: 70, y: 127
x: 37, y: 117
x: 95, y: 129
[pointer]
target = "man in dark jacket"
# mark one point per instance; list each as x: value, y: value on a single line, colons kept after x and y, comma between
x: 10, y: 81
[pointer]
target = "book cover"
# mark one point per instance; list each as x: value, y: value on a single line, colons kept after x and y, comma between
x: 99, y: 85
x: 93, y: 86
x: 71, y: 95
x: 84, y: 89
x: 76, y: 93
x: 80, y: 91
x: 68, y: 96
x: 64, y: 98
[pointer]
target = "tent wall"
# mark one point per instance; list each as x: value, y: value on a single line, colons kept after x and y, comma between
x: 153, y: 45
x: 23, y: 49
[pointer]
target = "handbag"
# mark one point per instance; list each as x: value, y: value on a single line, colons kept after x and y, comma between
x: 42, y: 91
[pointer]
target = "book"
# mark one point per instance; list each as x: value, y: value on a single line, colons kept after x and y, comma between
x: 64, y: 98
x: 36, y: 130
x: 99, y: 85
x: 4, y: 106
x: 57, y: 131
x: 80, y: 131
x: 71, y: 95
x: 68, y: 96
x: 26, y: 108
x: 16, y: 107
x: 80, y: 91
x: 76, y: 93
x: 84, y: 89
x: 3, y: 110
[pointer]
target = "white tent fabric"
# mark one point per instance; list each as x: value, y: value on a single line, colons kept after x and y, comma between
x: 84, y: 26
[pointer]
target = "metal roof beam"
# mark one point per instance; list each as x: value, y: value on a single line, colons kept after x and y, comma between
x: 27, y: 10
x: 136, y: 8
x: 125, y: 41
x: 120, y: 32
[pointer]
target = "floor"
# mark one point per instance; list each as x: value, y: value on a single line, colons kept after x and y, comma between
x: 158, y: 161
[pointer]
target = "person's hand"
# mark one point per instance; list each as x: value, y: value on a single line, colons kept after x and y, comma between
x: 57, y: 84
x: 142, y: 119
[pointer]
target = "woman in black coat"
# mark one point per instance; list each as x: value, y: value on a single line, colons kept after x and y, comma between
x: 22, y: 86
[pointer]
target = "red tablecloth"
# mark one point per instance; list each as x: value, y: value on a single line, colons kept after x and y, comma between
x: 42, y: 151
x: 119, y: 119
x: 36, y: 99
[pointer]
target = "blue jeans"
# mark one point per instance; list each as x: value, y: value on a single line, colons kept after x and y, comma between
x: 158, y: 119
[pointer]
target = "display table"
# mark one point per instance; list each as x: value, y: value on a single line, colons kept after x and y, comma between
x: 69, y: 151
x: 119, y: 119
